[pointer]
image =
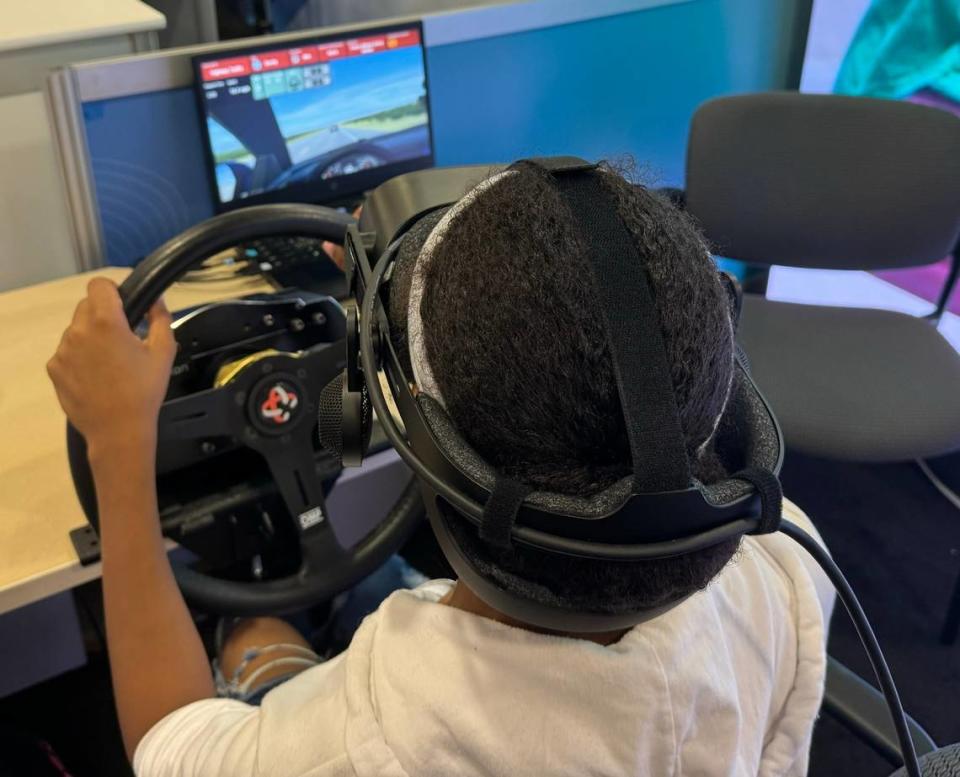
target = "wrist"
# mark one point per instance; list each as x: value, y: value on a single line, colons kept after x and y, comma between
x: 108, y: 453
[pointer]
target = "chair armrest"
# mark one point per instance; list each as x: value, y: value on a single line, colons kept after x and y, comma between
x: 862, y: 709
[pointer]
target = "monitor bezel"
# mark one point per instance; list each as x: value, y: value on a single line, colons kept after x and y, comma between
x: 335, y: 190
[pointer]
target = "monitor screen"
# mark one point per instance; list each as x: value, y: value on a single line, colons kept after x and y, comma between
x: 316, y: 122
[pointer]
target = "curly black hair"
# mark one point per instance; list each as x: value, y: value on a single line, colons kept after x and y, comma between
x: 516, y: 343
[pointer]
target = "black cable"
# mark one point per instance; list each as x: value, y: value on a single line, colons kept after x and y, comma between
x: 867, y: 637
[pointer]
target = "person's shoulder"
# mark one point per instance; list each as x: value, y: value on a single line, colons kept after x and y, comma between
x: 207, y: 737
x: 793, y: 513
x: 778, y: 549
x: 780, y: 556
x: 768, y: 565
x: 303, y: 721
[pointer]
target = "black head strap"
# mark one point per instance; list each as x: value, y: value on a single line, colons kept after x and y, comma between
x: 500, y: 511
x: 771, y: 497
x: 632, y: 327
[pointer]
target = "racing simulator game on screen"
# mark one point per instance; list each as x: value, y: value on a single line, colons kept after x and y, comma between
x: 316, y: 122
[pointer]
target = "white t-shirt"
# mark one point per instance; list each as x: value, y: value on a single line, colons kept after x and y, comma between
x: 728, y: 683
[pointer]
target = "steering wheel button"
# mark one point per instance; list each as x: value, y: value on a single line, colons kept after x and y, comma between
x: 310, y: 518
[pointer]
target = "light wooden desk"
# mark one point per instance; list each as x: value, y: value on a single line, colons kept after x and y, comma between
x: 46, y: 22
x: 38, y: 507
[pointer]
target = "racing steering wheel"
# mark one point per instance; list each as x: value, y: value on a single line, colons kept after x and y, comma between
x: 269, y: 405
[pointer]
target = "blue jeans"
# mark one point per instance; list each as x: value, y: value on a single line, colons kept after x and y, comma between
x: 347, y: 612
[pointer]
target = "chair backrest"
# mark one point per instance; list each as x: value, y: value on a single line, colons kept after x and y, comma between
x: 825, y: 180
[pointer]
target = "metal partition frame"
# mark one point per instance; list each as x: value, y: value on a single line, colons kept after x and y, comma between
x: 65, y: 112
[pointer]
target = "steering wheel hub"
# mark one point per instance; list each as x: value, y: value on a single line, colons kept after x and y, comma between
x: 277, y: 400
x: 277, y: 404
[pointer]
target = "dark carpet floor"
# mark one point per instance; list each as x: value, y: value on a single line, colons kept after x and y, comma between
x: 898, y: 541
x: 895, y: 536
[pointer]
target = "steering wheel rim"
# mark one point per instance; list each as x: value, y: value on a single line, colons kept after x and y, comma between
x: 326, y: 568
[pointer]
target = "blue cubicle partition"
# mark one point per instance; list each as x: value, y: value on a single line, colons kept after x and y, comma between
x: 609, y: 87
x: 146, y: 158
x: 607, y: 79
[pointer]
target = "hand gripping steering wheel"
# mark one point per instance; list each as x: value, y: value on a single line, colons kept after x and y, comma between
x: 269, y: 406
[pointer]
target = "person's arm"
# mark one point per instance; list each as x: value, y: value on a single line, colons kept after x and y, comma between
x: 111, y: 385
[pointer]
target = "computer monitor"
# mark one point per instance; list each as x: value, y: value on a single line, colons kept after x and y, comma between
x: 317, y: 122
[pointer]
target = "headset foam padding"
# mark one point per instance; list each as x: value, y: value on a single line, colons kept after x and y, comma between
x: 402, y: 278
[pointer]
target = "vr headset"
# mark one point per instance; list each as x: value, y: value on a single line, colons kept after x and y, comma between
x: 659, y: 512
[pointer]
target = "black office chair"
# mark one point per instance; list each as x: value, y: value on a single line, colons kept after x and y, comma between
x: 825, y: 181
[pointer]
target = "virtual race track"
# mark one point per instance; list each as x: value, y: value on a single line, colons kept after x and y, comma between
x: 326, y: 140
